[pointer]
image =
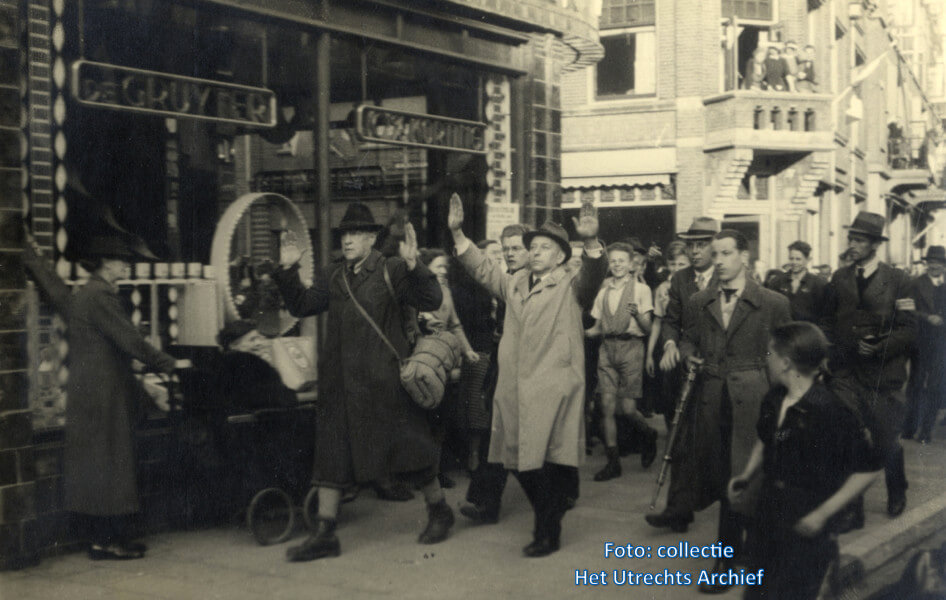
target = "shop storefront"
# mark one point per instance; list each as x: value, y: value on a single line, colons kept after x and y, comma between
x: 169, y: 118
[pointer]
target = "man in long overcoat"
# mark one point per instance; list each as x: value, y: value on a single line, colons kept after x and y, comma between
x: 99, y: 468
x: 729, y: 339
x: 871, y: 321
x: 682, y: 493
x: 538, y: 408
x: 367, y: 426
x: 927, y: 380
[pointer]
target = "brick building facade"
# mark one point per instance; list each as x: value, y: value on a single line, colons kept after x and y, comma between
x: 683, y: 137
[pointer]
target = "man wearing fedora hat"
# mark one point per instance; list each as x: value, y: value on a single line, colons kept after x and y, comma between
x: 870, y: 319
x: 681, y: 495
x: 538, y: 407
x: 927, y: 382
x: 99, y: 470
x: 367, y: 426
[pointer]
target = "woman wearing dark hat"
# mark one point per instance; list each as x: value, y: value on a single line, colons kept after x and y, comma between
x: 367, y: 427
x: 99, y: 478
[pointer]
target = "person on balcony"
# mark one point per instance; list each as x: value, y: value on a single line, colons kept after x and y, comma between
x: 805, y: 81
x: 755, y: 70
x: 775, y: 71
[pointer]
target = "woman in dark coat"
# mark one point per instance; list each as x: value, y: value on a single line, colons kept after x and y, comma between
x: 367, y: 426
x: 99, y: 478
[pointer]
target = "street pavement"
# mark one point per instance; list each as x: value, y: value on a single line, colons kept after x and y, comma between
x: 380, y: 556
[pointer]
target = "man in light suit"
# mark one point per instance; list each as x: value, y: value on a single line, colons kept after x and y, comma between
x: 871, y: 321
x: 729, y: 340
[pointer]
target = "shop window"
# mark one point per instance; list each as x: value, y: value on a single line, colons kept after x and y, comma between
x: 753, y: 10
x: 627, y: 13
x: 629, y: 66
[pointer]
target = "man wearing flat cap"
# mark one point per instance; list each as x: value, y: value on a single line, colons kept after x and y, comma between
x: 870, y: 319
x: 367, y: 427
x: 538, y: 407
x: 927, y: 381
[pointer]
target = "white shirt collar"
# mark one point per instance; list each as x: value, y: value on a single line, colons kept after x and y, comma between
x: 869, y: 267
x: 707, y: 275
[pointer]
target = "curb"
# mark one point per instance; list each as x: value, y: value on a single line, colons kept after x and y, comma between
x: 882, y: 543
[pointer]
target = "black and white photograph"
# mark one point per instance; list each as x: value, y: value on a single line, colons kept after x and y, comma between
x: 472, y: 299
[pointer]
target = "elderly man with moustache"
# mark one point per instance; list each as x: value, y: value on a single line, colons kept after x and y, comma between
x: 729, y: 340
x: 538, y: 425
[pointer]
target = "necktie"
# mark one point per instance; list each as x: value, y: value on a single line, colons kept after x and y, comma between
x: 700, y: 281
x: 860, y: 272
x: 532, y: 282
x: 728, y: 292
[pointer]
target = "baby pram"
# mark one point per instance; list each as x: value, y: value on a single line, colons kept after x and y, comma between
x: 244, y: 452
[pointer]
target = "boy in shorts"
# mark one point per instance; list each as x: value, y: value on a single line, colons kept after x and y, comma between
x: 622, y: 313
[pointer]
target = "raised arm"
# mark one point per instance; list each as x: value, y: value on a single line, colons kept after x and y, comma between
x: 490, y: 276
x: 301, y: 301
x: 594, y: 262
x: 107, y: 315
x: 46, y: 277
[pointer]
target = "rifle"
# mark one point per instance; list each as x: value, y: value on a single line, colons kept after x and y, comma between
x: 675, y: 429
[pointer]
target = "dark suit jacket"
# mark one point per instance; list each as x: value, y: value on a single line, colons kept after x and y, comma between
x: 847, y: 319
x: 930, y: 340
x: 678, y: 317
x: 735, y: 364
x: 808, y: 302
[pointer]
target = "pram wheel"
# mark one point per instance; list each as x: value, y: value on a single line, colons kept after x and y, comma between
x: 271, y: 516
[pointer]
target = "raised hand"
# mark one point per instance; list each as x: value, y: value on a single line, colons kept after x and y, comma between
x: 586, y: 225
x: 289, y: 251
x: 455, y: 216
x: 408, y: 247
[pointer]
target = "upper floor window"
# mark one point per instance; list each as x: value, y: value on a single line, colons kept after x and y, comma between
x: 752, y: 10
x: 629, y: 66
x: 627, y: 13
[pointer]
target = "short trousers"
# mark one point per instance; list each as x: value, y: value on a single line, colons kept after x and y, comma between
x: 621, y: 367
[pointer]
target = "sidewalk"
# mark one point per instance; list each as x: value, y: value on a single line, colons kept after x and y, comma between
x: 380, y: 557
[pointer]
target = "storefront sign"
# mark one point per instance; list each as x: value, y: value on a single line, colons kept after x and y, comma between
x: 150, y: 92
x: 402, y: 128
x: 499, y: 153
x: 498, y: 216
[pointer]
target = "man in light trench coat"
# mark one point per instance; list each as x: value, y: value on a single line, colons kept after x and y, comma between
x: 538, y: 407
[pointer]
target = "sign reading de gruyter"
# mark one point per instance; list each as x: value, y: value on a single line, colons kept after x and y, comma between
x: 402, y: 128
x: 137, y: 90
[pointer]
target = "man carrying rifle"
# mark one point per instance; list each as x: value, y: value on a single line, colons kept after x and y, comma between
x: 729, y: 340
x: 681, y: 497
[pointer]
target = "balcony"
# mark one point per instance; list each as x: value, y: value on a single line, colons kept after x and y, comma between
x: 908, y: 161
x: 768, y: 121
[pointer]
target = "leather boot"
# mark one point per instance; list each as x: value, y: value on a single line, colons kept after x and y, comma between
x: 612, y: 469
x: 439, y: 522
x: 320, y: 544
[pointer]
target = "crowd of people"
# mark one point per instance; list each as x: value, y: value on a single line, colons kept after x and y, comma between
x: 781, y: 69
x: 804, y: 385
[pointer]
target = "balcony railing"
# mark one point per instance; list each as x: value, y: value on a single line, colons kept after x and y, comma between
x: 768, y: 120
x: 907, y: 153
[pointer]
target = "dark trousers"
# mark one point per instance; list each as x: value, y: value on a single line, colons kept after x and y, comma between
x: 731, y: 528
x: 103, y: 530
x: 551, y: 491
x: 924, y: 396
x: 882, y: 413
x: 487, y: 482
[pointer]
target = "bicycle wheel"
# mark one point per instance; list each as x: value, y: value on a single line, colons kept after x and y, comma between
x: 271, y: 516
